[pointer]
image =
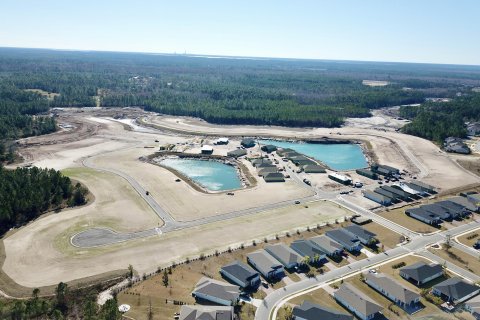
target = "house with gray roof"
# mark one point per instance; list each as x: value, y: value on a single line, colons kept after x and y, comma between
x: 264, y: 171
x: 455, y: 290
x: 308, y: 248
x: 241, y: 274
x: 331, y: 247
x: 357, y: 302
x: 218, y: 292
x: 285, y: 255
x: 247, y: 143
x: 268, y: 266
x: 313, y: 168
x: 439, y: 211
x: 420, y: 273
x: 274, y: 177
x: 237, y: 153
x: 424, y: 216
x: 312, y: 311
x: 391, y: 289
x: 349, y: 242
x: 366, y: 237
x: 199, y: 312
x: 464, y: 202
x: 269, y: 148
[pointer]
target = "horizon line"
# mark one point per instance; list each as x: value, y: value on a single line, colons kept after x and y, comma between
x: 218, y: 56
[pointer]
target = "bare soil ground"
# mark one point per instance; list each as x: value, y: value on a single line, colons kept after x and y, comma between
x: 459, y: 258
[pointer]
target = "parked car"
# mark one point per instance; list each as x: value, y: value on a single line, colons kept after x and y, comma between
x: 297, y: 202
x: 230, y: 193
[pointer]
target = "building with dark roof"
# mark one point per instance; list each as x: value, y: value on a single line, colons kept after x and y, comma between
x: 420, y: 273
x: 348, y: 242
x: 329, y: 246
x: 268, y: 266
x: 264, y: 171
x: 215, y: 291
x: 367, y: 173
x: 313, y: 168
x: 269, y: 148
x: 306, y: 247
x: 312, y: 311
x: 199, y: 312
x: 366, y: 237
x: 274, y: 177
x: 241, y: 274
x: 440, y: 211
x: 357, y: 302
x: 393, y: 197
x: 455, y: 290
x: 247, y: 143
x: 237, y: 153
x: 418, y: 185
x: 391, y: 289
x: 285, y: 255
x: 424, y: 216
x: 400, y: 194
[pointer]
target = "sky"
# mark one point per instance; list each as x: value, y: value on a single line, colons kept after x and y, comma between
x: 432, y: 31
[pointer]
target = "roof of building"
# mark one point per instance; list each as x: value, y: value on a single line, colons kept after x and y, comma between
x: 283, y: 253
x: 389, y: 168
x: 327, y: 244
x: 306, y: 248
x: 376, y: 195
x: 269, y: 148
x: 264, y: 262
x: 342, y: 236
x: 312, y: 311
x: 313, y: 168
x: 258, y: 161
x: 207, y: 148
x: 463, y: 202
x: 274, y: 176
x: 247, y: 141
x: 423, y: 185
x: 239, y: 270
x: 339, y: 176
x: 357, y: 299
x: 474, y: 304
x: 420, y: 270
x: 392, y: 287
x: 237, y: 153
x: 218, y: 289
x: 420, y: 212
x: 360, y: 232
x: 455, y: 288
x: 199, y: 312
x: 266, y: 170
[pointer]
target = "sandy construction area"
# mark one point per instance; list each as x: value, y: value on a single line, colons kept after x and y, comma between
x: 403, y: 151
x: 42, y: 249
x: 182, y: 201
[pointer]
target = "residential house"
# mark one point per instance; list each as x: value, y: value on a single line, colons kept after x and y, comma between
x: 391, y: 289
x: 274, y: 177
x: 357, y: 302
x: 312, y: 311
x: 218, y: 292
x: 455, y: 290
x: 378, y: 198
x: 199, y: 312
x: 237, y: 153
x: 366, y: 237
x: 424, y: 216
x: 348, y: 242
x: 329, y: 246
x: 308, y: 248
x: 420, y: 273
x: 247, y: 143
x: 241, y: 274
x: 269, y: 148
x: 285, y: 255
x: 473, y: 306
x: 268, y: 266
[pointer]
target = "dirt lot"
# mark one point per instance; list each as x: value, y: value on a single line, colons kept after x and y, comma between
x: 474, y: 236
x: 386, y: 236
x: 459, y: 258
x: 399, y: 216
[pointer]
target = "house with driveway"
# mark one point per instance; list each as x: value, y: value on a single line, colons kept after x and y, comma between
x: 366, y: 237
x: 306, y: 247
x: 420, y: 273
x: 394, y: 291
x: 285, y: 255
x: 455, y: 290
x: 348, y: 241
x: 357, y: 302
x: 312, y: 311
x: 241, y: 274
x: 218, y: 292
x: 269, y: 267
x: 329, y: 246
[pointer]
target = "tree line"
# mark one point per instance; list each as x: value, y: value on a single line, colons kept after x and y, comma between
x: 26, y: 193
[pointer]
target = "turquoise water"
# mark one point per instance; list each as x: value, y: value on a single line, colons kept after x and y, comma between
x: 336, y: 156
x: 212, y: 175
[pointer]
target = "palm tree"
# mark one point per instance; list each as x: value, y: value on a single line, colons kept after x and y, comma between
x: 305, y: 260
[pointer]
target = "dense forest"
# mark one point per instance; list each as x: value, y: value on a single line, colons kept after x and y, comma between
x: 437, y: 121
x: 26, y: 193
x: 67, y: 303
x: 226, y: 91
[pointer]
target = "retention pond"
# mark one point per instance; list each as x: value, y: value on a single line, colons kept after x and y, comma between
x: 337, y: 156
x: 211, y: 175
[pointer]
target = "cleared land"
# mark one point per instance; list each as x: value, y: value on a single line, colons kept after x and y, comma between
x: 458, y: 258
